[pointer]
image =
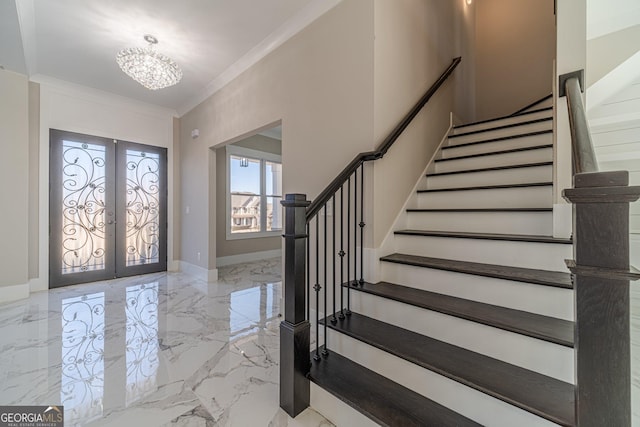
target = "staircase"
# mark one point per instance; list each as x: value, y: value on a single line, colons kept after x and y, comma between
x: 472, y: 323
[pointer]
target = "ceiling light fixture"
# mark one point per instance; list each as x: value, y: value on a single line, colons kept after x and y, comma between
x: 151, y: 69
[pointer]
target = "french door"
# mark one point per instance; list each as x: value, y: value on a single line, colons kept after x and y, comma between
x: 107, y: 208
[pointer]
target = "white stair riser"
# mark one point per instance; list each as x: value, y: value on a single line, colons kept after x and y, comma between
x: 494, y: 160
x: 497, y: 177
x: 518, y: 197
x: 335, y: 410
x: 543, y: 256
x: 501, y: 133
x: 543, y: 300
x: 503, y: 122
x: 534, y: 223
x: 530, y: 353
x: 464, y: 400
x: 507, y: 144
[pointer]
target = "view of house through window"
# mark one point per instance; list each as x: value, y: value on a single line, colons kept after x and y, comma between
x: 254, y: 191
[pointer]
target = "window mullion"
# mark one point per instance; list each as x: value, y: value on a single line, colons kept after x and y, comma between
x: 263, y: 198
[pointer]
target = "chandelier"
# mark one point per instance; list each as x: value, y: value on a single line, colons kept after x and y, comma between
x: 151, y: 69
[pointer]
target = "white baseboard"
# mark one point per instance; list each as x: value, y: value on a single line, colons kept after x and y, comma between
x: 252, y: 256
x: 173, y: 265
x: 14, y: 292
x: 198, y: 272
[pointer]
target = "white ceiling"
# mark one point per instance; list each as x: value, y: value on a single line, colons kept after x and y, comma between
x: 212, y: 40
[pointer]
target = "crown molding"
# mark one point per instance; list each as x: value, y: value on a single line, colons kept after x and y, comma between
x: 27, y: 24
x: 293, y: 26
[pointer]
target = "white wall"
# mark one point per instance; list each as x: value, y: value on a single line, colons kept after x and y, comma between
x: 14, y: 182
x: 79, y: 109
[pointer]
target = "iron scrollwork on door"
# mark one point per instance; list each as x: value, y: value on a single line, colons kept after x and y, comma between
x: 83, y: 211
x: 143, y: 208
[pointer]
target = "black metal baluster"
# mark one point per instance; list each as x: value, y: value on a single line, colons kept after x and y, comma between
x: 362, y: 224
x: 333, y: 260
x: 348, y: 312
x: 308, y: 287
x: 342, y: 252
x: 325, y: 352
x: 355, y: 228
x: 317, y: 288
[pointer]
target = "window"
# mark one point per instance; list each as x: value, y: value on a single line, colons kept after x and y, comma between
x: 254, y: 191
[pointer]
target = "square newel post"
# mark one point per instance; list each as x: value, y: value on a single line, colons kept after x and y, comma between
x: 601, y: 281
x: 295, y: 361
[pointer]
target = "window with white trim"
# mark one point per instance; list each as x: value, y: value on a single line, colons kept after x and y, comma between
x: 254, y: 191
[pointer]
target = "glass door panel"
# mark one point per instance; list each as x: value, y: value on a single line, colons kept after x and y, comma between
x: 81, y: 207
x: 142, y: 208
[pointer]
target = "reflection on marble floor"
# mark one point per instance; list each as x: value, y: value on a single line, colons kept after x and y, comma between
x: 155, y: 350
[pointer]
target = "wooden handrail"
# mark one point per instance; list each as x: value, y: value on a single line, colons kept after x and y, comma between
x: 584, y: 156
x: 382, y: 149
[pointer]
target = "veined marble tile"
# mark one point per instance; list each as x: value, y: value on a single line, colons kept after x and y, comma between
x: 160, y: 349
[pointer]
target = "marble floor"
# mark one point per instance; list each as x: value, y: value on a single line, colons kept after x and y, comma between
x: 155, y: 350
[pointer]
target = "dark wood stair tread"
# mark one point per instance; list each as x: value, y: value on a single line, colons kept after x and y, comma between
x: 501, y: 127
x: 557, y: 331
x: 487, y: 236
x: 502, y: 138
x: 482, y: 210
x: 518, y: 274
x: 494, y: 168
x: 539, y: 394
x: 488, y: 187
x: 510, y: 116
x: 384, y: 401
x: 495, y: 153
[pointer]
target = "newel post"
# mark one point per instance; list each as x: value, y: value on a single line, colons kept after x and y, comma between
x: 295, y: 361
x: 601, y: 282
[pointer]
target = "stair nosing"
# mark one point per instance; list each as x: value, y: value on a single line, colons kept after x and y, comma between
x: 489, y: 187
x: 495, y: 168
x: 511, y: 125
x: 503, y: 138
x: 466, y: 314
x: 448, y: 372
x: 477, y: 210
x: 471, y: 268
x: 497, y: 153
x: 481, y: 122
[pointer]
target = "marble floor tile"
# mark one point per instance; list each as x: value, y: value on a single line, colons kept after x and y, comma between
x: 157, y: 350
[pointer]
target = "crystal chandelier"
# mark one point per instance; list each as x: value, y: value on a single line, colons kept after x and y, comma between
x: 151, y: 69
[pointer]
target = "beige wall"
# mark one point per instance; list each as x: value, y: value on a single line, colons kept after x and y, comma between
x: 319, y: 84
x: 414, y: 44
x: 14, y: 179
x: 226, y: 247
x: 465, y: 39
x: 515, y: 48
x: 34, y: 177
x: 175, y: 206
